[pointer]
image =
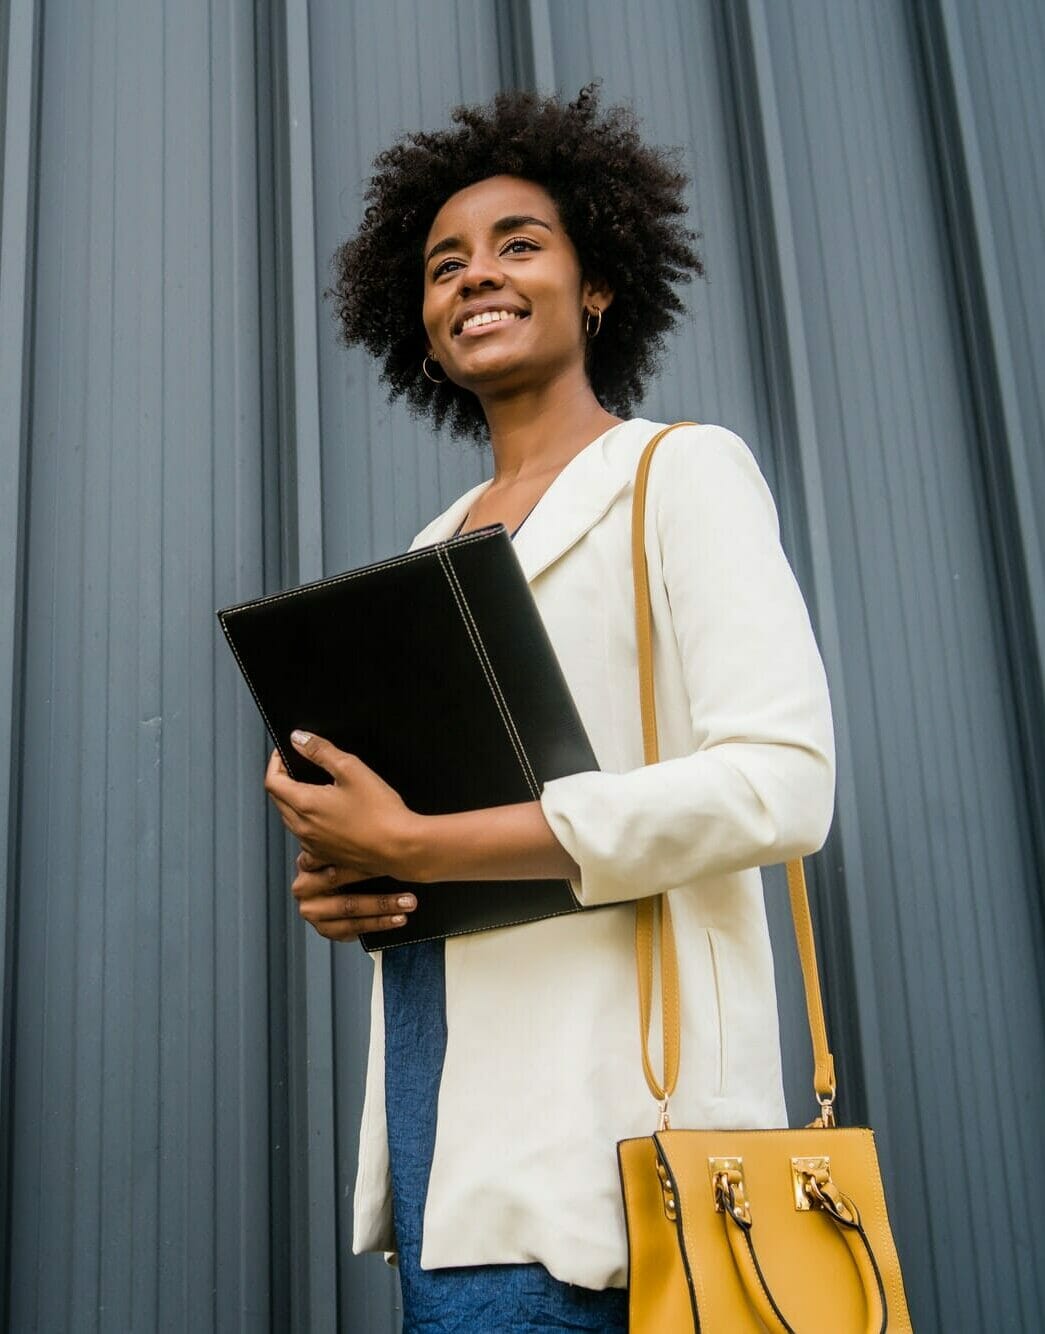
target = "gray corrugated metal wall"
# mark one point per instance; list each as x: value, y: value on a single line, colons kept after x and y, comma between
x: 182, y: 1062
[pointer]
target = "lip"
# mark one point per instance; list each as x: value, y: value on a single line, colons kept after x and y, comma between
x: 479, y: 308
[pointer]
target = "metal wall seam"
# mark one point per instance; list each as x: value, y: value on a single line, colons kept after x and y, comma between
x: 541, y: 45
x: 312, y: 1069
x: 1015, y: 525
x: 17, y: 237
x: 841, y: 916
x: 526, y: 45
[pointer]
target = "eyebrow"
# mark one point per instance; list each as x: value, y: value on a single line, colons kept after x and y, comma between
x: 502, y: 225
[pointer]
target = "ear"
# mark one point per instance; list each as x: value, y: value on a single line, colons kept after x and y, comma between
x: 596, y: 293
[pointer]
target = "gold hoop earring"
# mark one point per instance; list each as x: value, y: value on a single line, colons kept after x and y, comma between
x: 589, y: 331
x: 428, y: 373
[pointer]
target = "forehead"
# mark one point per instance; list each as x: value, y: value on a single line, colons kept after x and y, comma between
x: 477, y: 207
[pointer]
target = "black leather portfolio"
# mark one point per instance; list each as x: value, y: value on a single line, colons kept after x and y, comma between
x: 435, y: 669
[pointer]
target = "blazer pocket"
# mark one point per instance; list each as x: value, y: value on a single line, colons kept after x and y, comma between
x: 716, y: 1019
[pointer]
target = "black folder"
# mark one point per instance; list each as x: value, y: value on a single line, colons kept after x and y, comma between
x: 435, y: 668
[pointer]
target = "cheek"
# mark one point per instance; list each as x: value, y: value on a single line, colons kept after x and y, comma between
x: 427, y: 322
x: 567, y: 320
x: 564, y: 302
x: 433, y: 317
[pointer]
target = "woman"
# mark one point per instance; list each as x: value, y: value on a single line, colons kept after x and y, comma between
x: 504, y: 1068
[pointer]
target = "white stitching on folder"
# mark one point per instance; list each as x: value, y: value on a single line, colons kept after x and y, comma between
x: 502, y: 705
x: 531, y: 777
x: 257, y: 701
x: 472, y: 630
x: 476, y: 930
x: 480, y: 535
x: 492, y: 676
x: 491, y: 680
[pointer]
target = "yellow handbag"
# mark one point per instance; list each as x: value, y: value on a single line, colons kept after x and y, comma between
x: 738, y: 1231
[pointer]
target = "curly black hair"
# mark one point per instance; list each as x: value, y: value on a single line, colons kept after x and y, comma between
x: 619, y: 200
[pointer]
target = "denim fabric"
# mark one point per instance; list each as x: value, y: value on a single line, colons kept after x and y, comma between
x: 483, y: 1299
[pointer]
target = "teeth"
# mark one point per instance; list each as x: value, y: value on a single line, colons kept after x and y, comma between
x: 488, y: 317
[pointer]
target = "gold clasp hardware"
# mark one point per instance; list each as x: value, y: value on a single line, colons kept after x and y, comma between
x: 668, y: 1191
x: 815, y: 1189
x: 807, y: 1174
x: 826, y: 1119
x: 727, y: 1187
x: 664, y: 1123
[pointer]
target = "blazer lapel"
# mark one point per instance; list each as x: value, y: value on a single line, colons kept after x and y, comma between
x: 446, y: 524
x: 574, y: 503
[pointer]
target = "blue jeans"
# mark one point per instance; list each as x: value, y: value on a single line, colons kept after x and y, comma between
x: 480, y: 1299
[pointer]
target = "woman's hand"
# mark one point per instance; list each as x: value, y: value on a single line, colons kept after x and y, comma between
x: 327, y: 902
x: 357, y: 822
x: 351, y: 830
x: 358, y: 827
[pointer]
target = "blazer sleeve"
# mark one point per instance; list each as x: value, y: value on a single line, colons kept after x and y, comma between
x: 758, y: 786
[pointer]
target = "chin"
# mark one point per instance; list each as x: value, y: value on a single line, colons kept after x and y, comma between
x: 490, y: 372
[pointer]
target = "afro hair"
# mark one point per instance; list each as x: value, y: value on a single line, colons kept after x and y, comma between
x: 619, y: 200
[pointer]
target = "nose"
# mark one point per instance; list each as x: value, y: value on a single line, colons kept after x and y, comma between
x: 482, y: 271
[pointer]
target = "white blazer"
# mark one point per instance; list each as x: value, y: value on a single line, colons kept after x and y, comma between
x: 543, y: 1072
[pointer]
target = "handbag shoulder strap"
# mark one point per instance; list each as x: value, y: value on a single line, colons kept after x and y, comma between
x: 647, y: 909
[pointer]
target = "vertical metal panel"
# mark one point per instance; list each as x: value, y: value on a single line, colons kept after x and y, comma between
x: 19, y: 42
x: 140, y: 1143
x: 996, y: 285
x: 312, y: 1121
x: 524, y: 32
x: 288, y: 1257
x: 1002, y: 50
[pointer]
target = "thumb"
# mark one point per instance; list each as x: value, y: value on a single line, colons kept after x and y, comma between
x: 318, y: 750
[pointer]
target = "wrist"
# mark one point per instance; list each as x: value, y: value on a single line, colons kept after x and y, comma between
x: 411, y: 857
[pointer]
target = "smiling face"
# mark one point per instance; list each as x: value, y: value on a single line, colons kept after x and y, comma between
x: 504, y: 298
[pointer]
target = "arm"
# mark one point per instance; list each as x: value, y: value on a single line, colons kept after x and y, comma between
x: 758, y: 786
x: 361, y: 826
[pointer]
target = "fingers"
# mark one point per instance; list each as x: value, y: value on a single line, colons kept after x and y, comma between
x: 309, y: 884
x: 347, y: 931
x: 346, y: 916
x: 305, y: 861
x: 349, y: 907
x: 320, y: 751
x: 291, y: 819
x: 287, y: 796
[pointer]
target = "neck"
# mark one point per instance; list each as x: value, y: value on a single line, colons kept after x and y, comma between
x: 538, y: 430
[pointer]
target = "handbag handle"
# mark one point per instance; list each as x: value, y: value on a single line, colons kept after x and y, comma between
x: 824, y: 1069
x: 843, y: 1213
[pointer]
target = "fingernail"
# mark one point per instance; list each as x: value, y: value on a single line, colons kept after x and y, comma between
x: 407, y: 901
x: 399, y: 919
x: 300, y: 738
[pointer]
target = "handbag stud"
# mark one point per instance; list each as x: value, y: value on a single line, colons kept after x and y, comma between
x: 670, y: 1207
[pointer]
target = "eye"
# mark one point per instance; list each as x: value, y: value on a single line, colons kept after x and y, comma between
x: 442, y: 268
x: 509, y: 246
